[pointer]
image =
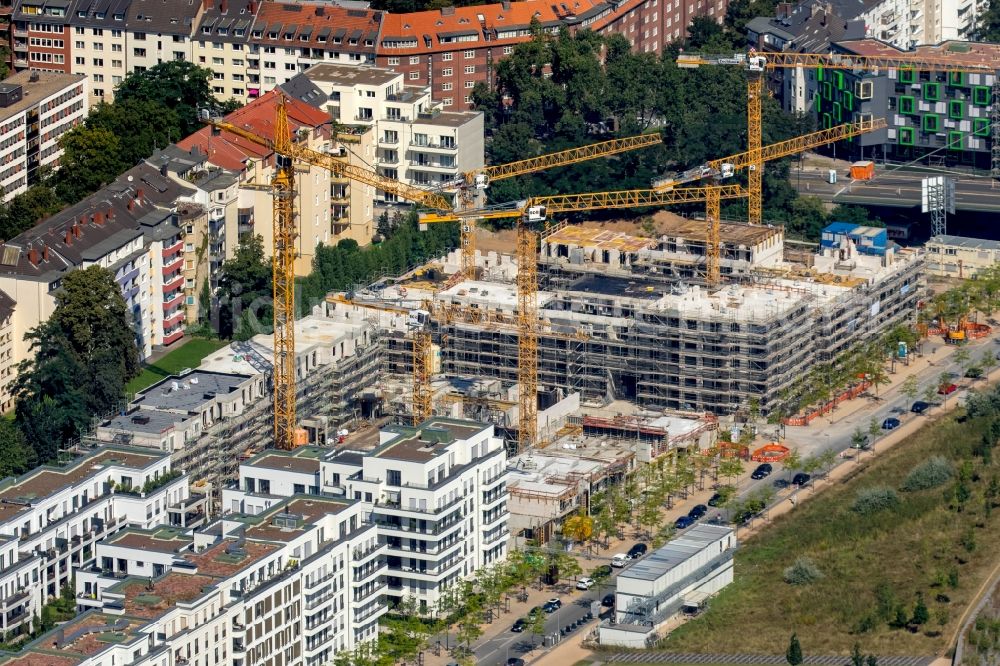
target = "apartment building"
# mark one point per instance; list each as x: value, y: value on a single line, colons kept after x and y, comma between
x: 947, y: 113
x: 288, y: 38
x: 436, y: 492
x: 451, y: 49
x: 292, y: 585
x: 213, y: 417
x: 42, y: 38
x: 314, y: 186
x: 53, y: 516
x: 419, y: 143
x: 221, y: 42
x: 36, y: 109
x: 127, y: 228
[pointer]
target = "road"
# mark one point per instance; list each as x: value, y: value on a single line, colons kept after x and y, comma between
x: 496, y: 651
x: 899, y: 189
x: 836, y: 436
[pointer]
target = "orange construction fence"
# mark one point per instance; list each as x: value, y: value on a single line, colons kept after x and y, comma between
x: 770, y: 453
x: 808, y: 417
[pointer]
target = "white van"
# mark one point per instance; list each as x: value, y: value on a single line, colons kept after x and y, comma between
x: 619, y: 560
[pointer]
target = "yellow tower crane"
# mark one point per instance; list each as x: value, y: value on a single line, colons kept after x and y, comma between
x: 535, y: 210
x: 756, y: 64
x: 282, y: 187
x: 478, y: 180
x: 727, y: 166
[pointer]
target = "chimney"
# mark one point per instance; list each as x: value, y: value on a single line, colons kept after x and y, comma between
x: 68, y: 238
x: 206, y: 4
x: 783, y: 10
x: 223, y: 6
x: 138, y: 196
x: 111, y: 213
x: 99, y: 218
x: 33, y: 256
x: 163, y: 169
x: 131, y: 204
x: 814, y: 9
x: 45, y: 253
x: 77, y: 229
x: 252, y: 7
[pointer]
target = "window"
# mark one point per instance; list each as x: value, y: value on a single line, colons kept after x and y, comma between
x: 116, y: 64
x: 932, y: 91
x: 956, y: 140
x: 393, y: 477
x: 139, y: 36
x: 139, y: 53
x: 117, y: 48
x: 507, y: 50
x: 980, y: 95
x: 393, y: 61
x: 470, y: 84
x: 981, y: 126
x: 219, y: 90
x: 218, y: 61
x: 906, y: 104
x: 468, y: 100
x: 446, y: 71
x: 98, y: 32
x: 470, y: 69
x: 98, y: 62
x: 446, y: 87
x: 906, y: 136
x: 414, y: 60
x: 448, y: 101
x: 956, y: 109
x: 447, y: 56
x: 468, y: 55
x: 931, y: 122
x: 956, y: 79
x: 81, y: 61
x: 414, y: 76
x: 907, y: 75
x: 98, y: 78
x: 79, y: 45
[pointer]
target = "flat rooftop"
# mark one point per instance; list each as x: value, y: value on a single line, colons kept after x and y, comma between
x: 677, y: 551
x: 601, y: 239
x: 166, y: 540
x: 964, y: 242
x: 228, y: 556
x: 147, y: 601
x: 736, y: 234
x: 16, y: 493
x: 48, y: 84
x: 426, y: 441
x: 188, y: 393
x: 40, y: 658
x: 303, y: 510
x: 89, y: 634
x: 960, y: 54
x: 149, y: 421
x: 305, y: 459
x: 487, y: 295
x: 349, y: 75
x: 445, y: 118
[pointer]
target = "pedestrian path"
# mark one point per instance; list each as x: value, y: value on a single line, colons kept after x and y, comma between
x: 761, y: 659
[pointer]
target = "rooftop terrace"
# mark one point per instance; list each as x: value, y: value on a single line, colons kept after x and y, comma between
x: 165, y: 540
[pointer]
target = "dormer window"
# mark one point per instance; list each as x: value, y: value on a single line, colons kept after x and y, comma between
x: 82, y: 14
x: 239, y: 32
x: 272, y: 35
x: 206, y: 30
x: 223, y: 31
x: 303, y: 38
x: 101, y: 15
x: 258, y: 34
x: 119, y: 17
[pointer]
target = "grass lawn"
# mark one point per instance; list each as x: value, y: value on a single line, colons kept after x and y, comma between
x: 188, y: 356
x: 873, y: 566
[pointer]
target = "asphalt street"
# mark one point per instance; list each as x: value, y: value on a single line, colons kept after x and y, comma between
x: 896, y: 189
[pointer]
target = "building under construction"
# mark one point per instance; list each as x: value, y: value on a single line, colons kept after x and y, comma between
x: 623, y: 317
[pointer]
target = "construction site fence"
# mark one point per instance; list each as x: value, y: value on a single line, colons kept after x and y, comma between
x: 826, y: 408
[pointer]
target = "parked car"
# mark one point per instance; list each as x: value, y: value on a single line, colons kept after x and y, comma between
x: 801, y: 479
x: 919, y: 407
x: 715, y: 500
x: 602, y: 571
x: 637, y: 551
x: 762, y: 471
x: 947, y: 389
x: 780, y: 484
x: 585, y: 583
x: 515, y: 661
x: 683, y: 522
x: 608, y: 601
x: 552, y: 605
x: 697, y: 511
x: 890, y: 423
x: 620, y: 560
x: 519, y: 625
x: 974, y: 373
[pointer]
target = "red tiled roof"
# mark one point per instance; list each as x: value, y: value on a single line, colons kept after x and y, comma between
x: 466, y: 20
x: 326, y: 19
x: 229, y: 151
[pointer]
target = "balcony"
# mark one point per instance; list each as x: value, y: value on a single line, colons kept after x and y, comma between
x: 384, y: 141
x: 434, y: 166
x: 20, y: 32
x: 173, y: 282
x: 16, y: 598
x: 172, y: 250
x: 367, y: 574
x: 495, y: 537
x: 387, y: 159
x: 170, y: 302
x: 173, y: 336
x: 448, y: 149
x: 361, y: 554
x: 173, y: 265
x: 169, y: 320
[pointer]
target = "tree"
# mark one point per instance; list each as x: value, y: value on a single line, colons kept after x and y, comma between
x: 148, y: 124
x: 920, y: 613
x: 792, y: 461
x: 963, y: 357
x: 537, y: 624
x: 910, y: 387
x: 178, y: 85
x: 731, y: 467
x: 858, y: 439
x: 930, y: 394
x: 874, y: 429
x: 84, y: 354
x: 988, y: 27
x: 16, y: 457
x: 24, y: 210
x: 245, y: 287
x: 578, y: 528
x: 794, y: 653
x: 91, y: 158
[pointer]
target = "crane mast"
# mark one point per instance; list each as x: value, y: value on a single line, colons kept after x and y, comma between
x: 283, y: 282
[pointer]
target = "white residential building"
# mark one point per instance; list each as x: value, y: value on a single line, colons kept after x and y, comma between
x: 52, y: 517
x: 437, y: 493
x: 682, y: 574
x: 290, y: 586
x: 36, y: 109
x: 418, y: 143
